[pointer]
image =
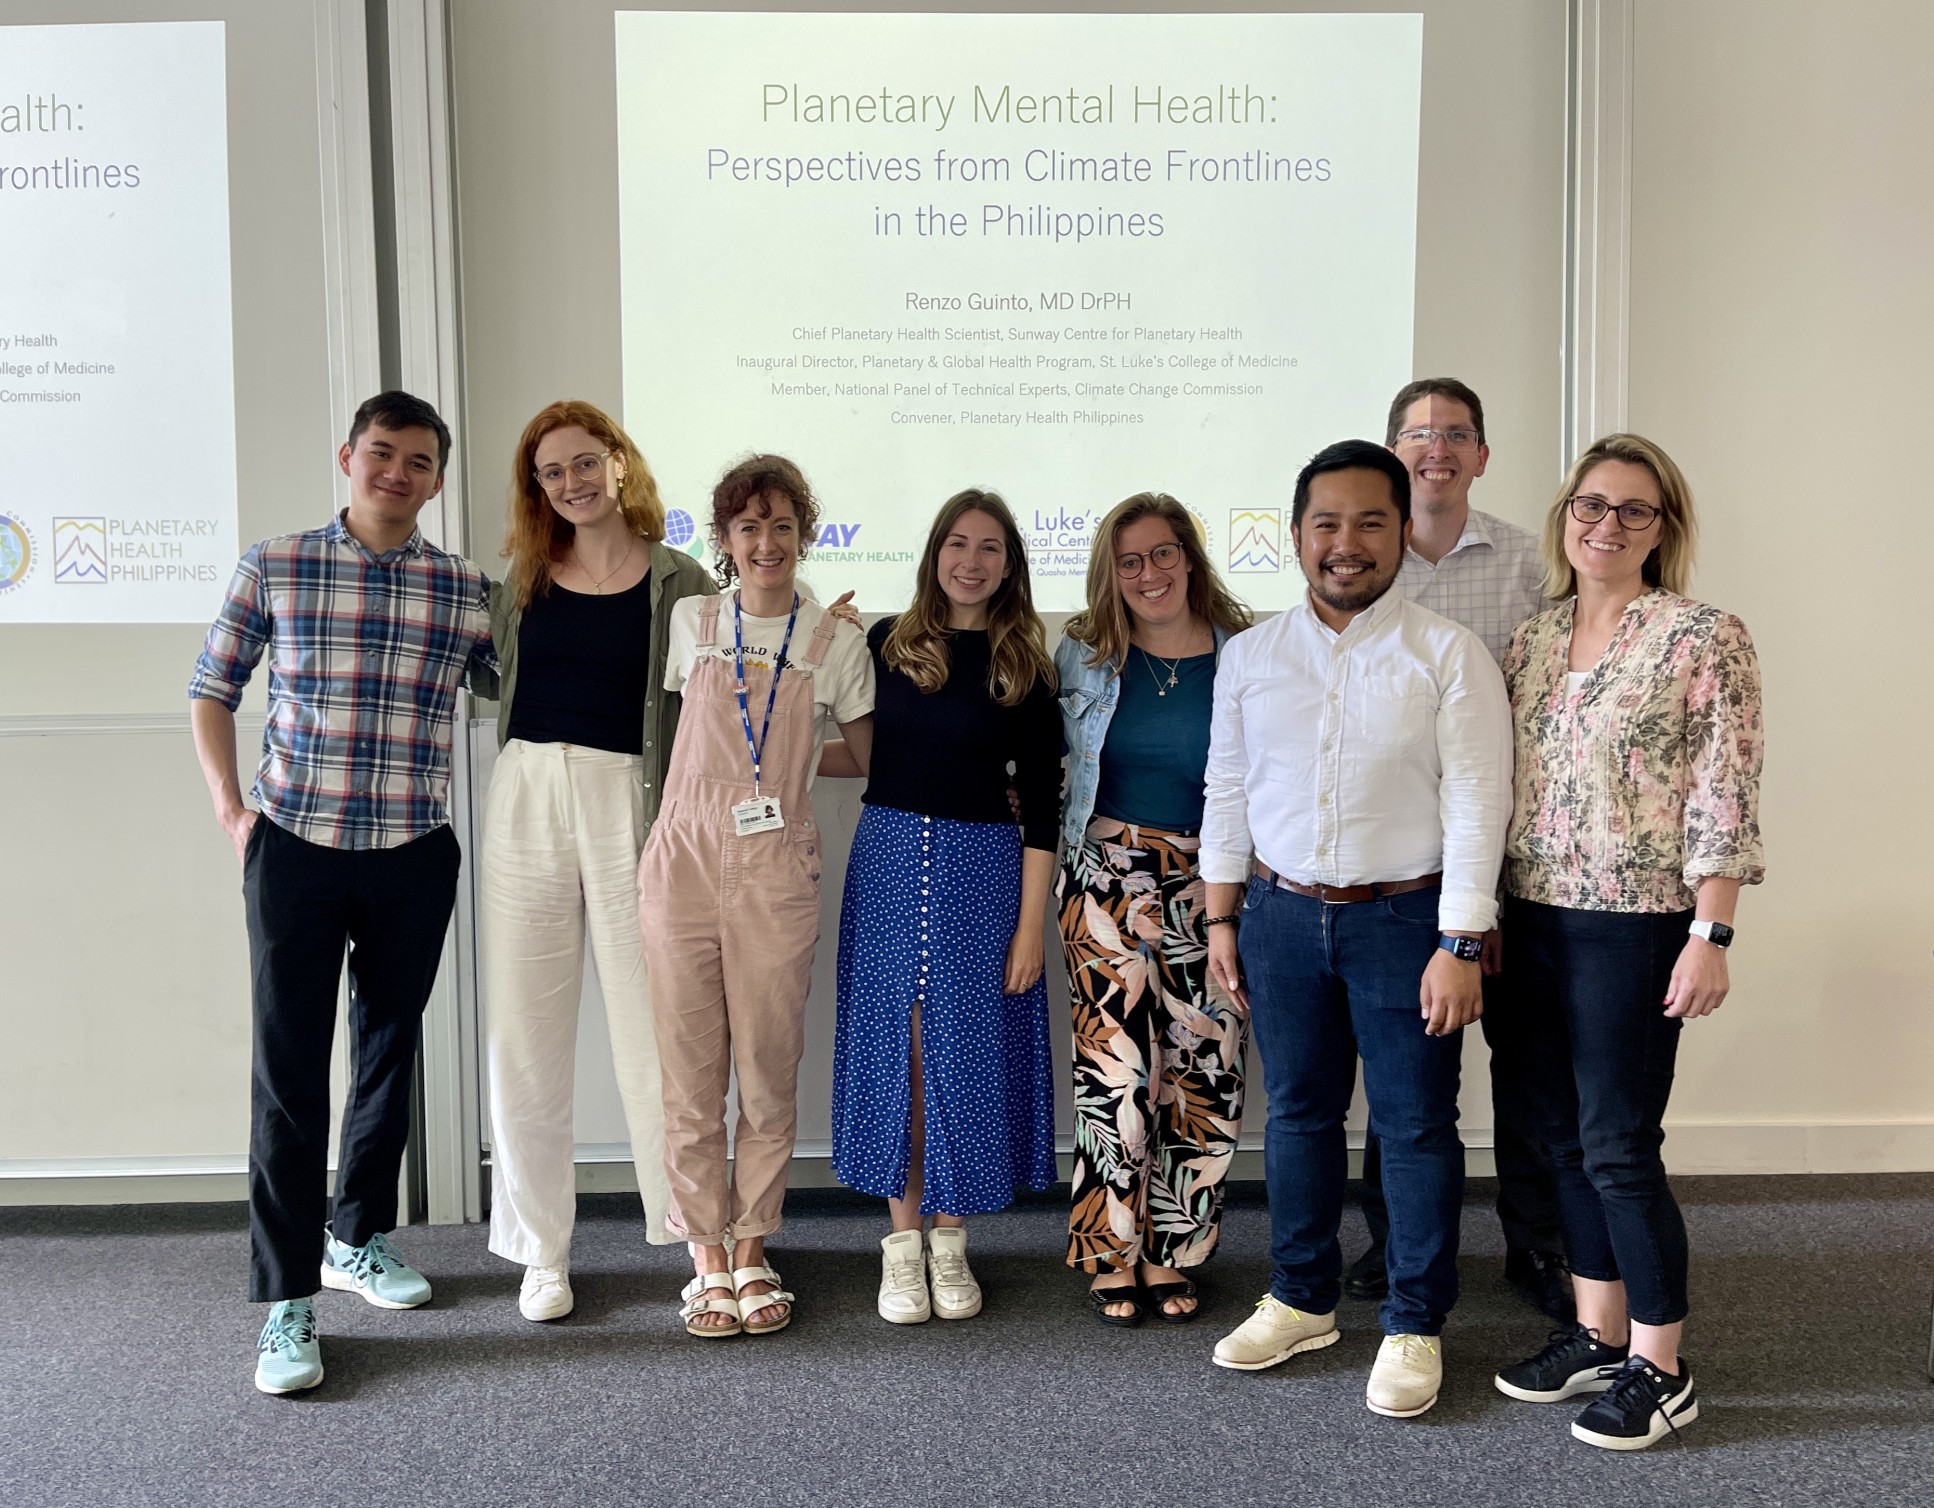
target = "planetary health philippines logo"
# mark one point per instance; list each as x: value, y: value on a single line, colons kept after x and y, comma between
x: 80, y: 552
x: 1255, y: 541
x: 17, y: 557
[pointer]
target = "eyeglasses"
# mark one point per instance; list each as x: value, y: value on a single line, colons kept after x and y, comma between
x: 1634, y: 516
x: 1457, y: 439
x: 584, y: 468
x: 1162, y: 557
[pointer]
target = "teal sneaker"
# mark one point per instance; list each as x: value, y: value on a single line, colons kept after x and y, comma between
x: 375, y: 1271
x: 288, y: 1357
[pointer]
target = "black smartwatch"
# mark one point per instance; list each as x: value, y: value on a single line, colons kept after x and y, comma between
x: 1717, y: 933
x: 1470, y: 949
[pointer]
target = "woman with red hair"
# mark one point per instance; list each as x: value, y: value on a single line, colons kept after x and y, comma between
x: 585, y: 731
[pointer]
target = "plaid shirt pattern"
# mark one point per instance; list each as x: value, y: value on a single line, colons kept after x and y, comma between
x: 1491, y: 581
x: 366, y: 653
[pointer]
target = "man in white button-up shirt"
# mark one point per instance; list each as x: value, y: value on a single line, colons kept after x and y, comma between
x: 1359, y: 783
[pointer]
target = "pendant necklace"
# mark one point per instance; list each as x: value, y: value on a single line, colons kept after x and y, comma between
x: 597, y: 585
x: 1161, y: 686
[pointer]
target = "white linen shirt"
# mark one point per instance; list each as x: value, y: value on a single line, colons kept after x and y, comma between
x: 1378, y: 754
x: 1491, y: 581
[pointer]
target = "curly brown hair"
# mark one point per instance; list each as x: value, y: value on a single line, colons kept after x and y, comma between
x: 753, y: 483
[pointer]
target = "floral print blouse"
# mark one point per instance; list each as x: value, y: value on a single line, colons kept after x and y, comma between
x: 1646, y: 780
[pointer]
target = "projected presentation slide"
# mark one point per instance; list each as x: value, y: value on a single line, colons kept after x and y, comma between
x: 1068, y: 258
x: 117, y: 388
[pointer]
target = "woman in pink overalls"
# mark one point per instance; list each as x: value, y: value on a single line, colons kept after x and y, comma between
x: 728, y: 887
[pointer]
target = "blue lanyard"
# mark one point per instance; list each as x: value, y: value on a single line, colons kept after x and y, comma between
x: 778, y: 669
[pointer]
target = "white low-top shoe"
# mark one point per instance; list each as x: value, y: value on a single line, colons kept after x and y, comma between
x: 1408, y: 1374
x: 956, y: 1292
x: 545, y: 1294
x: 1275, y: 1332
x: 903, y: 1279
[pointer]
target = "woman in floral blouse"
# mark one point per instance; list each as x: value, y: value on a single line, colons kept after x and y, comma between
x: 1637, y: 717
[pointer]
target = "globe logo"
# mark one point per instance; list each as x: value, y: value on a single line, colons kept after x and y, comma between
x: 16, y: 553
x: 681, y: 531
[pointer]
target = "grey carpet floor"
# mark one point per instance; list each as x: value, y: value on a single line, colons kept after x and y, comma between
x: 125, y: 1360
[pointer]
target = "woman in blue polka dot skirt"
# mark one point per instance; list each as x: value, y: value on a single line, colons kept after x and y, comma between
x: 943, y: 1093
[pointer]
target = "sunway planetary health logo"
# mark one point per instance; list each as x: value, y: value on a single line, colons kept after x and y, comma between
x: 17, y: 554
x: 836, y: 536
x: 681, y: 533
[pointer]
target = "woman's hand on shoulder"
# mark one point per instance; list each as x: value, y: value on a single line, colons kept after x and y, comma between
x: 842, y: 608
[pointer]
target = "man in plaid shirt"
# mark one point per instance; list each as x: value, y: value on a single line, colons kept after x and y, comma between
x: 369, y: 632
x: 1484, y: 573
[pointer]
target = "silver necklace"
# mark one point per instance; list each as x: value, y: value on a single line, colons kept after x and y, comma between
x: 597, y: 583
x: 1173, y: 666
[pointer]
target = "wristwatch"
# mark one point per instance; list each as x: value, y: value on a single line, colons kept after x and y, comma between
x: 1470, y: 949
x: 1717, y: 933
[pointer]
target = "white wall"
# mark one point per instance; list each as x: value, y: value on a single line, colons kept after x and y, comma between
x: 1781, y: 316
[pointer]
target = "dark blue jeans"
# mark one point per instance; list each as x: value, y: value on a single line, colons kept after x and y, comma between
x: 1591, y: 988
x: 1327, y: 983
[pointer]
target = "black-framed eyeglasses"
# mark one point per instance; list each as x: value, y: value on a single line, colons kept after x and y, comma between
x: 1457, y: 439
x: 1164, y: 557
x: 583, y: 467
x: 1588, y: 509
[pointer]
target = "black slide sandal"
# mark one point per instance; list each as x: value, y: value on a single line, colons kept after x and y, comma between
x: 1158, y: 1294
x: 1121, y: 1293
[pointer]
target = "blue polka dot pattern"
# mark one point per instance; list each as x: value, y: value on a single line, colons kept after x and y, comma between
x: 929, y: 907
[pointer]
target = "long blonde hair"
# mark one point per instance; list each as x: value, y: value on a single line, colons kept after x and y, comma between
x: 1103, y: 624
x: 1017, y: 640
x: 537, y: 539
x: 1668, y: 566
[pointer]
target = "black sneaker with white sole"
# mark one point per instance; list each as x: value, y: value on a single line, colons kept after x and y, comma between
x: 1642, y: 1405
x: 1576, y: 1361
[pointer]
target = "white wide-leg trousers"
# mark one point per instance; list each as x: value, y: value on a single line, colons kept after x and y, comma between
x: 563, y: 827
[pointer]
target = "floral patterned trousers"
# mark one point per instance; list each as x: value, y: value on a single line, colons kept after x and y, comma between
x: 1157, y: 1061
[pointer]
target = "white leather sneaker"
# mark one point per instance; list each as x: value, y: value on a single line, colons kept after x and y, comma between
x: 545, y: 1294
x: 903, y: 1280
x: 1275, y: 1332
x: 1407, y: 1376
x: 956, y: 1292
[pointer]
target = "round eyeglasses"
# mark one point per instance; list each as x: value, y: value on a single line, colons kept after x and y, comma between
x: 584, y: 468
x: 1162, y: 557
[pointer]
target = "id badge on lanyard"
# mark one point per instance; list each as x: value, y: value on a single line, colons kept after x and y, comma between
x: 761, y: 814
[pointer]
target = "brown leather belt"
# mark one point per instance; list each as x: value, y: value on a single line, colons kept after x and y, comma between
x: 1350, y: 895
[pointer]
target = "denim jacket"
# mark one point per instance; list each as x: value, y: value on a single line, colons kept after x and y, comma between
x: 1088, y: 697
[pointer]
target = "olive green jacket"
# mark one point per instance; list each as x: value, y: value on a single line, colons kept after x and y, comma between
x: 674, y: 574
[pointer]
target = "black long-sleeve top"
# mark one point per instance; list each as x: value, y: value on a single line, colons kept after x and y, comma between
x: 946, y: 753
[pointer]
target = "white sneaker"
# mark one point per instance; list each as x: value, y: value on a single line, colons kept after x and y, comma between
x: 1275, y: 1332
x: 956, y: 1294
x: 546, y: 1293
x: 903, y: 1280
x: 1407, y: 1376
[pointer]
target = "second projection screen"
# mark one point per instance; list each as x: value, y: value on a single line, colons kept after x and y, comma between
x: 1067, y: 258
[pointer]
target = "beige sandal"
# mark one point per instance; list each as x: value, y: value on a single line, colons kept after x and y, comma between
x: 751, y: 1304
x: 697, y: 1301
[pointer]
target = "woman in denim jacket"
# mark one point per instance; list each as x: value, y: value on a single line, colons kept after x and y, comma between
x: 1157, y: 1060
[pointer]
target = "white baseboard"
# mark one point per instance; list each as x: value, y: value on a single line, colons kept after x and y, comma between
x: 1690, y: 1150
